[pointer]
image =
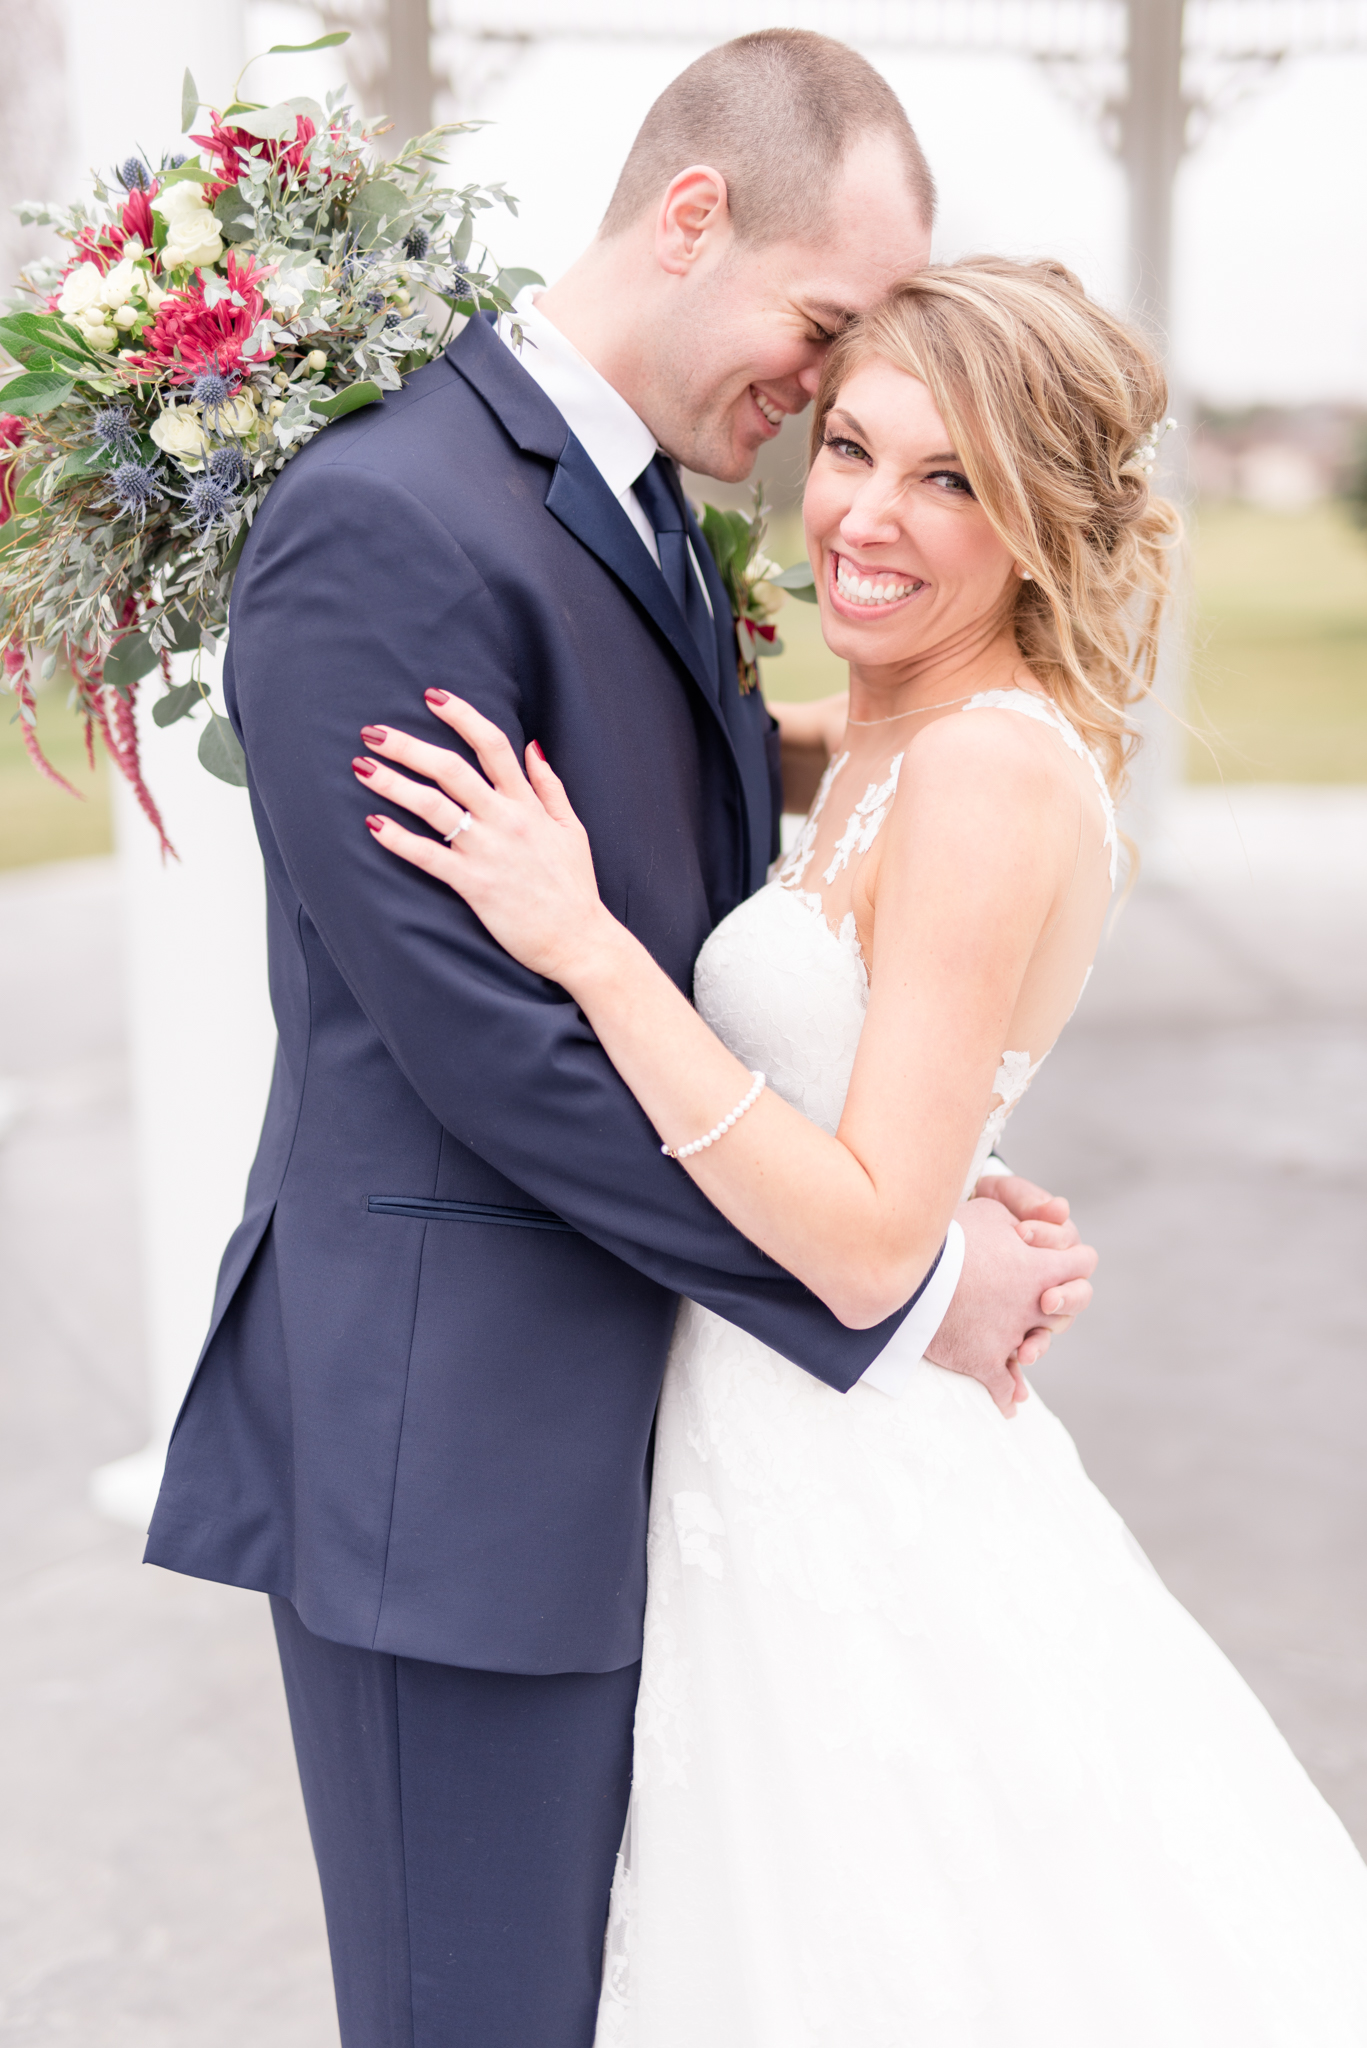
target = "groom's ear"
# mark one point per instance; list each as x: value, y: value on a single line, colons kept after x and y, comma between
x: 694, y: 215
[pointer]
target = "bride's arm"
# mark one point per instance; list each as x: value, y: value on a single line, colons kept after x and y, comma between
x: 969, y: 868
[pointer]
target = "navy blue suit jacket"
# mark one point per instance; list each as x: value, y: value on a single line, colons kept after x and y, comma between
x: 423, y: 1410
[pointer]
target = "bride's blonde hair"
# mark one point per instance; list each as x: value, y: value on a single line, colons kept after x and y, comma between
x: 1055, y: 408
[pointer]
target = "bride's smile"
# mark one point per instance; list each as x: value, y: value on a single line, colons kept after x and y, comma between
x: 914, y: 582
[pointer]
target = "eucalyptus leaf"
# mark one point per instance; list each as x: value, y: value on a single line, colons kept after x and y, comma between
x: 186, y: 174
x: 799, y: 582
x: 331, y: 42
x: 514, y: 281
x: 177, y: 703
x: 189, y: 101
x: 277, y: 123
x: 185, y: 633
x: 227, y: 209
x: 220, y: 752
x: 351, y: 400
x: 464, y: 235
x: 377, y: 205
x: 129, y: 660
x: 36, y: 392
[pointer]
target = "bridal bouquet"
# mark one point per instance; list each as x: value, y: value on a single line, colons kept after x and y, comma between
x: 216, y: 311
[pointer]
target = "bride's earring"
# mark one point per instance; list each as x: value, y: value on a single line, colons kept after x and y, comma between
x: 1025, y: 575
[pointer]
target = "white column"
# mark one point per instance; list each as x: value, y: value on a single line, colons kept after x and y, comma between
x: 199, y: 1018
x: 202, y: 1039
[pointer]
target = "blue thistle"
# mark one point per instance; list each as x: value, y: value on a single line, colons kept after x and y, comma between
x: 208, y: 499
x: 373, y: 301
x: 392, y: 319
x: 136, y: 488
x: 228, y: 466
x: 172, y: 163
x: 416, y: 244
x: 212, y: 390
x: 462, y: 281
x: 113, y: 428
x: 133, y: 175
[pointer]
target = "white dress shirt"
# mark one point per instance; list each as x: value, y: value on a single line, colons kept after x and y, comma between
x: 619, y: 444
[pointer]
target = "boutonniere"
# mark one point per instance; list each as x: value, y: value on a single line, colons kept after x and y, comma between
x: 755, y: 585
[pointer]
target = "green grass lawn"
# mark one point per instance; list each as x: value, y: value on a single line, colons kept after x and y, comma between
x: 1279, y: 674
x: 1279, y: 645
x: 38, y: 821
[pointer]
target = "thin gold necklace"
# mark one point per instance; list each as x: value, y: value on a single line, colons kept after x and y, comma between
x: 915, y: 711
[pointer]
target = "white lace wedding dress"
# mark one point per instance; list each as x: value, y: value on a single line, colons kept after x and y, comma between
x: 926, y: 1755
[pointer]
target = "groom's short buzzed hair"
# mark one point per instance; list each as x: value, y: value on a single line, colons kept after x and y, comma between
x: 776, y: 113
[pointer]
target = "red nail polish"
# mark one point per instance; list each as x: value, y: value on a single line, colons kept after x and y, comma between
x: 536, y: 749
x: 365, y: 768
x: 437, y: 696
x: 374, y: 735
x: 375, y: 824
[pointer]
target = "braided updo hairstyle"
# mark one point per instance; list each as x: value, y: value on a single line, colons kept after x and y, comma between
x: 1055, y: 407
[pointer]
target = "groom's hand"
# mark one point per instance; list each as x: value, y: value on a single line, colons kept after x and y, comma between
x: 1011, y: 1295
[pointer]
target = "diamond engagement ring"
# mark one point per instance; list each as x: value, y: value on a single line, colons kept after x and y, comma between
x: 462, y: 824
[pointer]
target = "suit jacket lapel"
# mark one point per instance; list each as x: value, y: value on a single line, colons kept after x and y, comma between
x: 580, y: 499
x: 751, y: 760
x: 582, y: 502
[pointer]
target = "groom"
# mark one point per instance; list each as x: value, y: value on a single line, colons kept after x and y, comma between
x: 421, y: 1421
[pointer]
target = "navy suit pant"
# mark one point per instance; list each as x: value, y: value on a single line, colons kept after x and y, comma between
x: 465, y: 1825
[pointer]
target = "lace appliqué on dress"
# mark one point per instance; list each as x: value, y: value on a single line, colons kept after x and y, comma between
x: 789, y: 871
x: 865, y: 819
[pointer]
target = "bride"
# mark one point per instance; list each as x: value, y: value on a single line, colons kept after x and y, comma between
x: 925, y: 1752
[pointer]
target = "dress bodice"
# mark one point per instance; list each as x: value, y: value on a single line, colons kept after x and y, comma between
x: 788, y: 994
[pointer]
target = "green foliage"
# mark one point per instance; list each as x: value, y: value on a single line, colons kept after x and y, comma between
x: 799, y: 582
x: 350, y: 400
x: 129, y: 660
x: 220, y: 753
x: 178, y: 702
x: 35, y: 392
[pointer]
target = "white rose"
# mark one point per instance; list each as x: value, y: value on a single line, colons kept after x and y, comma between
x: 238, y: 416
x: 179, y: 432
x: 83, y: 288
x: 177, y: 200
x: 193, y: 243
x: 118, y: 285
x: 193, y: 240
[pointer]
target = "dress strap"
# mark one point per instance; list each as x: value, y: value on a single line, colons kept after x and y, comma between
x: 1046, y: 712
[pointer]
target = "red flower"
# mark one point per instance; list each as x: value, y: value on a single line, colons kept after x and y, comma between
x: 12, y: 432
x: 231, y: 147
x: 188, y: 336
x: 104, y: 246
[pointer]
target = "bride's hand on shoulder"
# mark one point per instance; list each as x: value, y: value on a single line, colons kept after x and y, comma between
x: 508, y: 842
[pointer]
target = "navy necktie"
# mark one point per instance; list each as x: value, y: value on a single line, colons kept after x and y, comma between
x: 661, y: 499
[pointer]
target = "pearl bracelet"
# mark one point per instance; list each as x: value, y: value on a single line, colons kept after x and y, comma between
x: 747, y: 1101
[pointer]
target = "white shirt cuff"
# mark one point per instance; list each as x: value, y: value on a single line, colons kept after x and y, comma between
x: 891, y: 1371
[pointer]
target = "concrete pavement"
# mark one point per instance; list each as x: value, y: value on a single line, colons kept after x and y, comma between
x: 1205, y: 1114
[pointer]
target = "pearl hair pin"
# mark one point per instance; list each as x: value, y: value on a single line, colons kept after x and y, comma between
x: 747, y: 1101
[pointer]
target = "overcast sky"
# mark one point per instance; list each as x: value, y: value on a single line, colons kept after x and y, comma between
x: 1271, y: 287
x: 1271, y: 283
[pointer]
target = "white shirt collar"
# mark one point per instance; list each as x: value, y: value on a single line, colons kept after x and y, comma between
x: 616, y: 440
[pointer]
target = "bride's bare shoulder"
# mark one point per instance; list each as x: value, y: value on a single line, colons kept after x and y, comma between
x: 989, y: 753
